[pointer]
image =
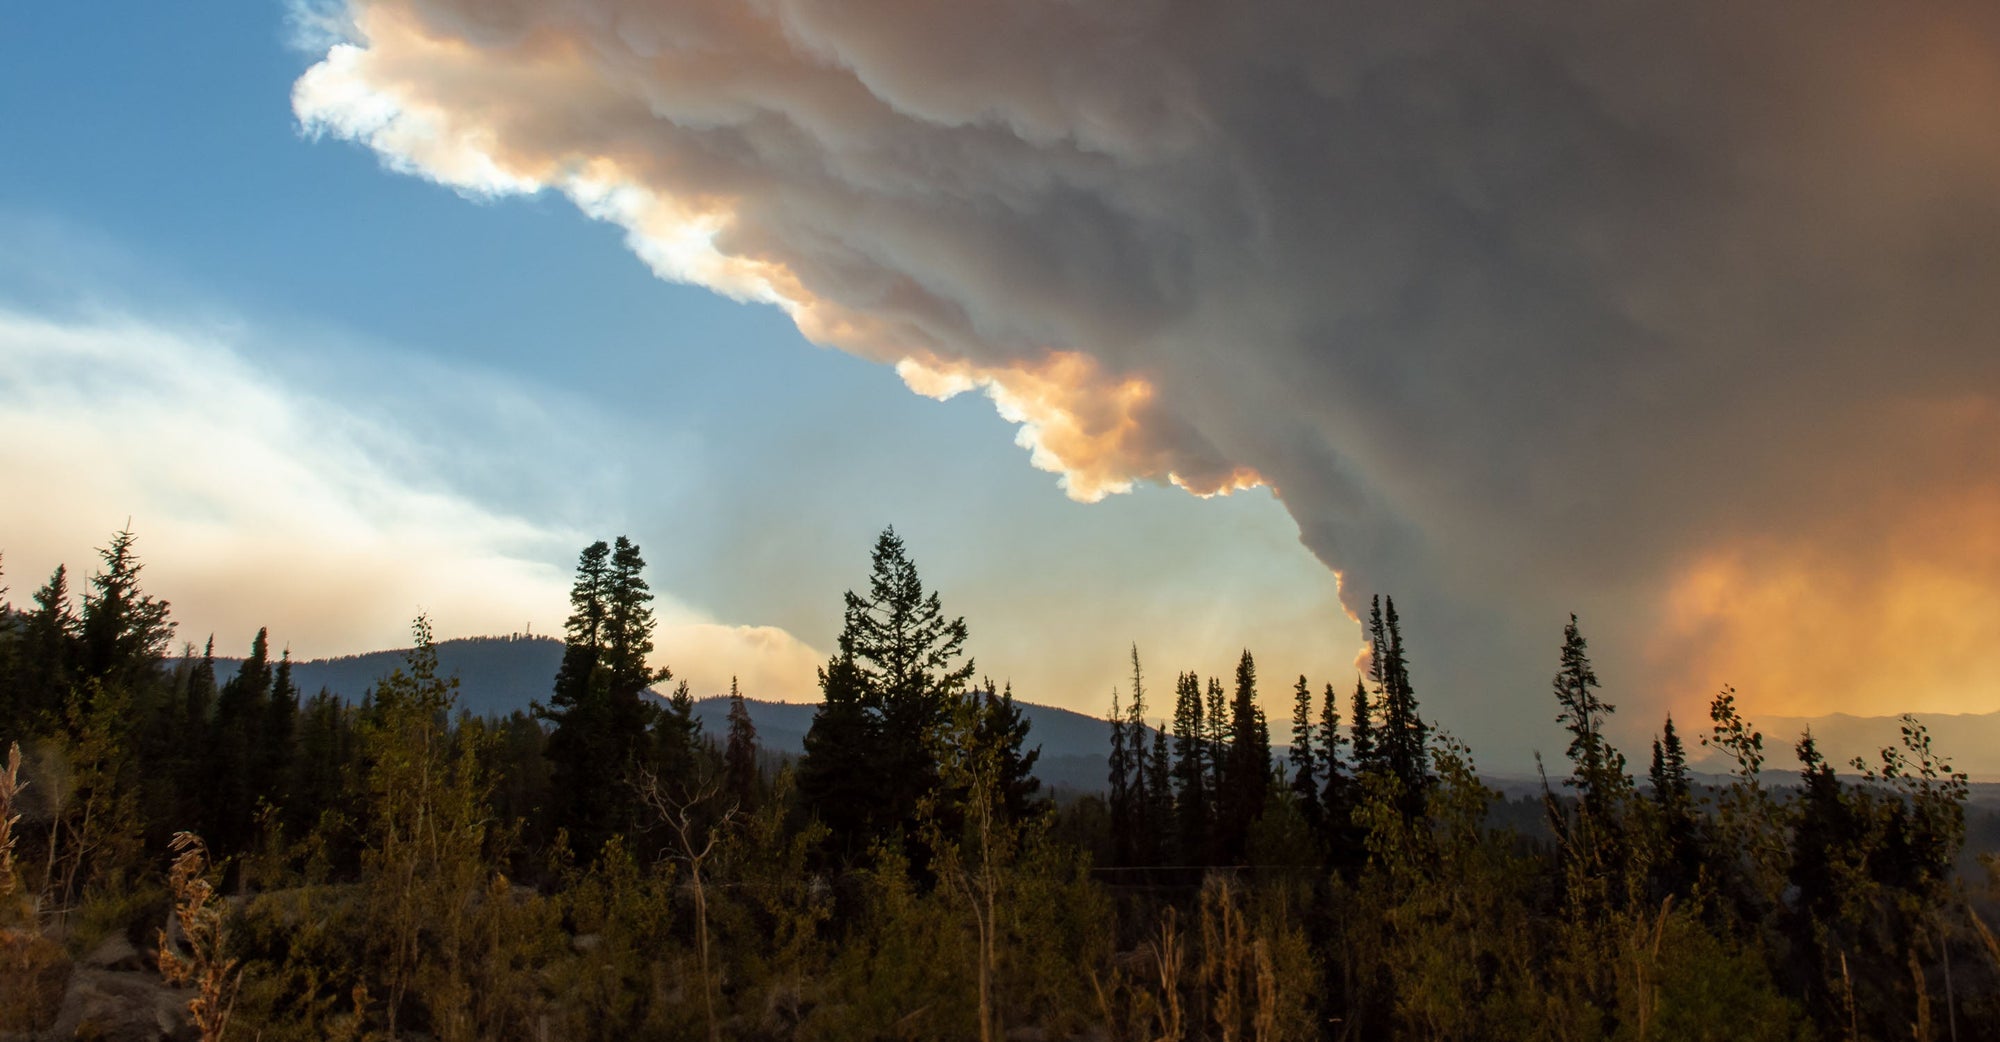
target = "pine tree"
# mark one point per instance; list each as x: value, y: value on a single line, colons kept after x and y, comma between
x: 1336, y: 792
x: 903, y: 655
x: 1823, y: 825
x: 277, y: 733
x: 1305, y: 757
x: 1403, y: 739
x: 1217, y: 711
x: 1003, y: 728
x: 1246, y: 780
x: 1190, y: 770
x: 628, y: 638
x: 325, y: 749
x: 1669, y: 773
x: 676, y: 758
x: 1118, y: 780
x: 739, y: 758
x: 125, y: 631
x: 1142, y: 800
x: 50, y: 647
x: 1362, y: 726
x: 1680, y: 863
x: 606, y: 727
x: 1599, y: 768
x: 839, y: 775
x: 236, y: 745
x: 906, y: 648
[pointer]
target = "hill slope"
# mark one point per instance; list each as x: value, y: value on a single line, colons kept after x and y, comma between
x: 498, y: 675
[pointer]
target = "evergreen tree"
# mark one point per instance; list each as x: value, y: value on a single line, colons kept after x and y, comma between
x: 839, y: 775
x: 1669, y: 773
x: 677, y: 754
x: 125, y: 631
x: 1305, y: 757
x: 585, y: 630
x: 907, y: 650
x: 902, y: 653
x: 1599, y: 769
x: 1337, y: 796
x: 628, y: 639
x: 184, y: 736
x: 1823, y: 827
x: 1362, y: 725
x: 277, y: 733
x: 1217, y: 711
x: 605, y: 725
x: 49, y: 653
x: 1119, y: 782
x: 1141, y: 799
x: 325, y: 749
x: 1190, y: 770
x: 1003, y: 729
x: 1160, y: 798
x: 1403, y: 739
x: 739, y: 758
x: 236, y: 748
x: 1246, y: 781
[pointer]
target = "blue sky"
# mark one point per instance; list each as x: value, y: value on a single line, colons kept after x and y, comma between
x: 516, y: 355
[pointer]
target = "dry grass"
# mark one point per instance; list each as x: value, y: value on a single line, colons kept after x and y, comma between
x: 34, y: 970
x: 204, y: 932
x: 10, y: 789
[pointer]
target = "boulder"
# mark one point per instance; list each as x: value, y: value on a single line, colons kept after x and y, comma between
x: 116, y: 952
x: 110, y: 1006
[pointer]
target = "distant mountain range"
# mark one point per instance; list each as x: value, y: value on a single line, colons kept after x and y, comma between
x: 1969, y: 742
x: 498, y: 675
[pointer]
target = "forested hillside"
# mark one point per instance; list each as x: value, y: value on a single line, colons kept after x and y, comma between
x: 602, y: 867
x: 499, y: 676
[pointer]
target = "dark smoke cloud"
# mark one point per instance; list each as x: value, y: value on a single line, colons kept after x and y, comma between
x: 1649, y: 311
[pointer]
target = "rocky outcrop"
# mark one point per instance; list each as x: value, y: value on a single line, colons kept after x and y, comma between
x: 115, y: 1006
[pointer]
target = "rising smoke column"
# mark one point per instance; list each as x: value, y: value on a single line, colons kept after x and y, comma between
x: 1679, y: 316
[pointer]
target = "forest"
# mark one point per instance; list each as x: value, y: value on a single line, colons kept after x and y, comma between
x: 292, y: 865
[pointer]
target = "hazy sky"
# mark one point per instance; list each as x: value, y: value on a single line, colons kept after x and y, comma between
x: 1680, y: 317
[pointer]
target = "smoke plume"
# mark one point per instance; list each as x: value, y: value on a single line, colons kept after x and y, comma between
x: 1678, y: 316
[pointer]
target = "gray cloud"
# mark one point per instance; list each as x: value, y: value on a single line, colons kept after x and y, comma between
x: 1521, y: 308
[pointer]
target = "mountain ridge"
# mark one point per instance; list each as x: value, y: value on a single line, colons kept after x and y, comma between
x: 501, y: 674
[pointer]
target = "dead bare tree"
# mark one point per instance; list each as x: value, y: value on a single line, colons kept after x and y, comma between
x: 695, y: 847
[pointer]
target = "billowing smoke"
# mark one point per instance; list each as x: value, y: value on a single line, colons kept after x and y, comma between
x: 1681, y: 316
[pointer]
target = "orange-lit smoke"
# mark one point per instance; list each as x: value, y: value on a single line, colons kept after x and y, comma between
x: 1076, y: 421
x: 1623, y: 336
x: 486, y: 120
x: 1890, y: 605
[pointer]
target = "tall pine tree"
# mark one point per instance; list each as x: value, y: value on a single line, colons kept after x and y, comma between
x: 1190, y: 770
x: 739, y: 756
x: 1246, y: 781
x: 603, y: 717
x: 1599, y: 769
x: 1402, y: 740
x: 905, y: 657
x: 1305, y: 757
